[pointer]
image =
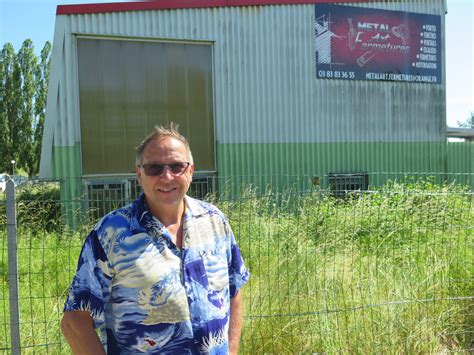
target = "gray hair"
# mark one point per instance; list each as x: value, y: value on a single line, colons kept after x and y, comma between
x: 158, y: 133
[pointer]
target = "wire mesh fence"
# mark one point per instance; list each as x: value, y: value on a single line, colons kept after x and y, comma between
x: 336, y: 265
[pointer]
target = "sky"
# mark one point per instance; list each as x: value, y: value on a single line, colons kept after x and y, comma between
x: 34, y: 19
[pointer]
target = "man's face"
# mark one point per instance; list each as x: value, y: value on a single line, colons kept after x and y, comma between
x: 166, y: 190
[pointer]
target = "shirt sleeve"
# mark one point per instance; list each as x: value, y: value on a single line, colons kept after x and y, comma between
x: 238, y: 273
x: 90, y: 288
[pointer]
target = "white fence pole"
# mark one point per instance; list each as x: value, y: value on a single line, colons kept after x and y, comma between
x: 13, y: 268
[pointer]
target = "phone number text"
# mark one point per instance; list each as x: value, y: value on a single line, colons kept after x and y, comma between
x: 336, y: 74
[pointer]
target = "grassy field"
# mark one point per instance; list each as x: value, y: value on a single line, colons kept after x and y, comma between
x: 390, y: 271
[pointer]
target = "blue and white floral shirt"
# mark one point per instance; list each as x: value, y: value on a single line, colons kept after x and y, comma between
x: 147, y: 296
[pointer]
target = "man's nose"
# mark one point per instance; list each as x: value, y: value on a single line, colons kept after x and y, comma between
x: 166, y: 173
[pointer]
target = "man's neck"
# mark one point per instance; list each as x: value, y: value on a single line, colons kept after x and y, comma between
x: 172, y: 218
x: 168, y: 215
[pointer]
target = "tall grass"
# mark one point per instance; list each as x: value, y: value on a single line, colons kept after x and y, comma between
x: 390, y: 271
x: 46, y: 264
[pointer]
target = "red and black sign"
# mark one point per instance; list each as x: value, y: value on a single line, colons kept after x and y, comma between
x: 357, y: 43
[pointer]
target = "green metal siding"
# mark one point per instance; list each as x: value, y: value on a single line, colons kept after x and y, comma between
x: 460, y: 156
x: 66, y: 161
x: 322, y: 158
x: 288, y: 163
x: 66, y: 166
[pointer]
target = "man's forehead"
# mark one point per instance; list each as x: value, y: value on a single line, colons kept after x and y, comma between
x: 166, y: 145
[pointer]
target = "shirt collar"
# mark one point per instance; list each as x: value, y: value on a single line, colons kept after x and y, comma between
x: 142, y: 209
x: 194, y: 208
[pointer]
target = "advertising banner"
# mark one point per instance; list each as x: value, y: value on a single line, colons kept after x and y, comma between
x: 355, y: 43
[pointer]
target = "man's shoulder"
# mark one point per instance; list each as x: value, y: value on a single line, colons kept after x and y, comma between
x: 120, y: 218
x: 116, y: 225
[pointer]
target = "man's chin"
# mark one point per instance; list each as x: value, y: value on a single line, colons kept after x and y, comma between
x: 169, y: 199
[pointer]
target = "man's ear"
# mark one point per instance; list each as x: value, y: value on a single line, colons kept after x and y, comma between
x: 138, y: 171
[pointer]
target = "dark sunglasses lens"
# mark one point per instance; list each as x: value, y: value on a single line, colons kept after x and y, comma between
x: 158, y: 169
x: 177, y: 168
x: 153, y: 169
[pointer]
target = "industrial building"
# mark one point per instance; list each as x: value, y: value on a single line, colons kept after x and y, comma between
x: 266, y: 90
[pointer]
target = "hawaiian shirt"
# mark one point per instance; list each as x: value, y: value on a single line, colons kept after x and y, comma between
x: 145, y: 295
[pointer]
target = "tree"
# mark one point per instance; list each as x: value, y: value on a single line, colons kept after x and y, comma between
x: 23, y: 87
x: 468, y: 123
x: 3, y: 120
x: 10, y: 107
x: 29, y: 67
x: 42, y: 76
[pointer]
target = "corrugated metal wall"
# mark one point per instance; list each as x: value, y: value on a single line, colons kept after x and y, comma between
x: 460, y: 159
x: 268, y: 102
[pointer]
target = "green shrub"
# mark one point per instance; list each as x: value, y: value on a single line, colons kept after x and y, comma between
x: 39, y: 207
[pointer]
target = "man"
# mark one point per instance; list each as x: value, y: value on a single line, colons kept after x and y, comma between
x: 162, y: 275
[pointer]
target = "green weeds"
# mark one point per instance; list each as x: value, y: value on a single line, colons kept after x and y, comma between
x: 389, y: 271
x: 383, y: 272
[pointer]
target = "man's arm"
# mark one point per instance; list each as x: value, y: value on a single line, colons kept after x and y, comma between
x: 78, y: 329
x: 236, y: 322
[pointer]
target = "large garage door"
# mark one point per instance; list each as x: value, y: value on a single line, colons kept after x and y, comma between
x: 127, y: 87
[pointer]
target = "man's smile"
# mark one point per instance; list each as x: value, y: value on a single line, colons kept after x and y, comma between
x: 169, y: 189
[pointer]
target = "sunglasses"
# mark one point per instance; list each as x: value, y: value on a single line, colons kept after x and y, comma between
x: 176, y: 169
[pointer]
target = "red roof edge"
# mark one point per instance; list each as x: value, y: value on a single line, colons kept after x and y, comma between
x: 178, y: 4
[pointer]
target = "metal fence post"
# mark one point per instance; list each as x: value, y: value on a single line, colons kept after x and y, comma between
x: 13, y: 268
